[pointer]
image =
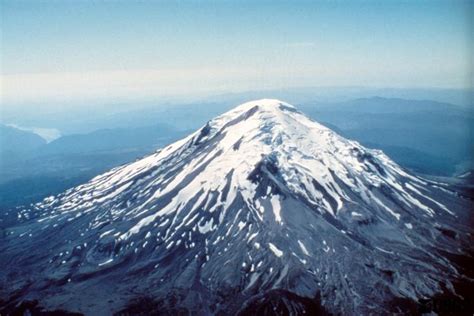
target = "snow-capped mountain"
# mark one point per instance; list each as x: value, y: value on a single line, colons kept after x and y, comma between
x: 262, y: 209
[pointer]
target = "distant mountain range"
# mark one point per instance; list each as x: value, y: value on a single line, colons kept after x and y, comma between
x: 425, y: 136
x: 260, y: 211
x: 14, y: 143
x: 29, y: 171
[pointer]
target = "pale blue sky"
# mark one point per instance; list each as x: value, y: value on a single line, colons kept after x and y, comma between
x: 71, y: 49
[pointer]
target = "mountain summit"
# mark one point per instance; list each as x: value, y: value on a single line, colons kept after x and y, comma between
x: 261, y: 210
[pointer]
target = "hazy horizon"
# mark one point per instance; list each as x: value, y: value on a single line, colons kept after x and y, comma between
x: 112, y: 50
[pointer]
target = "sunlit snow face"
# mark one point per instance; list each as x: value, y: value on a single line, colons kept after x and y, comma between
x: 213, y: 167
